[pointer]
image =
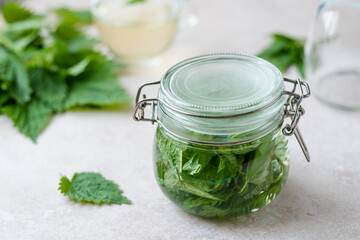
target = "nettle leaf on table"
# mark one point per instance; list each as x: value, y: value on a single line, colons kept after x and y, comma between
x: 89, y: 187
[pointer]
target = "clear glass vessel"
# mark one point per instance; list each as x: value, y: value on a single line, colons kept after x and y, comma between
x: 220, y: 148
x: 333, y: 53
x: 138, y: 33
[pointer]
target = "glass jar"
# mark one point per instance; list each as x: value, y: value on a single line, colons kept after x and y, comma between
x: 220, y: 148
x: 332, y: 53
x: 138, y: 32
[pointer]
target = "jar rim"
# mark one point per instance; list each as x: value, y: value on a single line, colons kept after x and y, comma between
x: 221, y: 84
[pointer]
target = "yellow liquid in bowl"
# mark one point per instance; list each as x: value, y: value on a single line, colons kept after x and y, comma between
x: 137, y: 33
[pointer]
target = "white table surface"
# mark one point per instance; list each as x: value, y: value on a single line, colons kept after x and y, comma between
x: 319, y: 200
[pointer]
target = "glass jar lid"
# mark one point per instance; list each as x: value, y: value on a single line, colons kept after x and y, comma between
x: 221, y: 84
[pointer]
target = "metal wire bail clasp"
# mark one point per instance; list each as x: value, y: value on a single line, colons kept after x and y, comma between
x: 294, y: 110
x: 139, y: 110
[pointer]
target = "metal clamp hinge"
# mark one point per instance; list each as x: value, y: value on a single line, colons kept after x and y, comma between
x: 139, y: 114
x: 294, y: 110
x: 139, y: 110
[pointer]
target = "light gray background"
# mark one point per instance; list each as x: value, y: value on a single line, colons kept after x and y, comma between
x: 319, y: 201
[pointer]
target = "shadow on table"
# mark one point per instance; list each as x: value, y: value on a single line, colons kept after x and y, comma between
x: 296, y: 203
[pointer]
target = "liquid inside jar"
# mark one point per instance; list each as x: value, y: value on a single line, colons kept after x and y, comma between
x: 221, y: 181
x: 137, y: 32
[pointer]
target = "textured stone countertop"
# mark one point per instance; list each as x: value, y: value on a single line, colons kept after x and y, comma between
x: 319, y: 200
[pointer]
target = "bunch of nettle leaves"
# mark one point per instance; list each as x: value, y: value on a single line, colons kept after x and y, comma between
x: 47, y: 65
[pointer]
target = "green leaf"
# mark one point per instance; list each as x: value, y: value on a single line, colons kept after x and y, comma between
x: 190, y: 188
x: 6, y: 42
x: 24, y: 42
x: 13, y: 12
x: 283, y: 38
x: 3, y: 98
x: 285, y: 52
x: 49, y: 87
x: 20, y: 88
x: 13, y: 71
x: 30, y: 118
x: 6, y: 71
x: 274, y: 49
x: 62, y: 57
x: 281, y: 61
x: 97, y: 86
x: 87, y: 92
x: 92, y: 188
x: 81, y: 43
x: 69, y: 53
x: 194, y: 163
x: 78, y: 68
x: 66, y: 31
x: 75, y: 40
x: 27, y: 24
x: 228, y: 166
x: 39, y: 58
x: 257, y: 169
x: 136, y: 1
x: 64, y: 185
x: 74, y: 16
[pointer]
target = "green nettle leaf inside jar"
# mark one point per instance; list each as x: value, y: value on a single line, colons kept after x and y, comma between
x: 220, y: 148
